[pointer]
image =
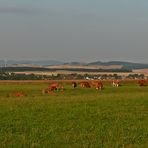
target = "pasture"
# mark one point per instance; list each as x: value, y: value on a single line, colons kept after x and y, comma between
x: 75, y: 118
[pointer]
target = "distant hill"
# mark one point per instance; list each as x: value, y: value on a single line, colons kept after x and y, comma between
x: 75, y: 64
x: 53, y: 64
x: 30, y: 63
x: 125, y: 65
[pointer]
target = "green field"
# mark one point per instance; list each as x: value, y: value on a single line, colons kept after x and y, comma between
x: 75, y: 118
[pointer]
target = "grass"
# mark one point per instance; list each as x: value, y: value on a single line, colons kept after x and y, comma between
x: 112, y: 118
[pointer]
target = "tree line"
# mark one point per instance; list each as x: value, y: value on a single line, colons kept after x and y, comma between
x: 73, y: 76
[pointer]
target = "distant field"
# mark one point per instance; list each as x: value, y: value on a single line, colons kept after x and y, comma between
x: 87, y: 67
x: 142, y: 71
x: 111, y: 118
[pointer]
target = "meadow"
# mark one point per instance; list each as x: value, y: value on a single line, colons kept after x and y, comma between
x: 75, y: 118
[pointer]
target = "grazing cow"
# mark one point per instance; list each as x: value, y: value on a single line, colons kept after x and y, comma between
x: 98, y: 85
x: 74, y: 84
x: 116, y: 83
x: 53, y: 87
x: 85, y: 85
x: 56, y: 86
x: 142, y: 82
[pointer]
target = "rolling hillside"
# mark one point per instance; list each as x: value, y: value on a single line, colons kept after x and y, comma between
x: 77, y: 66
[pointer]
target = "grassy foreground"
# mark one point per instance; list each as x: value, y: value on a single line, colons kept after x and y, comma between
x: 111, y: 118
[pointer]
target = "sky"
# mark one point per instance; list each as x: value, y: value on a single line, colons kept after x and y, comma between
x: 74, y: 30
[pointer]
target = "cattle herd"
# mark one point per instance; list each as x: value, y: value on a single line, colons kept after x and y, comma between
x: 58, y: 87
x: 98, y: 85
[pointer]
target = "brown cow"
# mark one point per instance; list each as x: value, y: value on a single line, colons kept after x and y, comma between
x: 142, y: 82
x: 98, y: 85
x: 52, y: 88
x: 56, y: 86
x: 116, y: 83
x: 85, y: 85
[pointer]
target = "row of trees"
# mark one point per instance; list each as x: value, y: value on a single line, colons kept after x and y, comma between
x: 74, y: 76
x: 22, y: 69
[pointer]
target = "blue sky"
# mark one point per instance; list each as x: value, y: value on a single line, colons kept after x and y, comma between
x: 74, y: 30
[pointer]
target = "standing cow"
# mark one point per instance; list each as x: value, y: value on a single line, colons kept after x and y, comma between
x: 116, y: 83
x: 85, y: 84
x: 98, y: 85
